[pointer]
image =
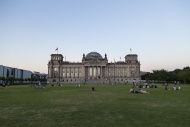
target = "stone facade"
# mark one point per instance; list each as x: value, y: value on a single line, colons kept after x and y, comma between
x: 93, y: 69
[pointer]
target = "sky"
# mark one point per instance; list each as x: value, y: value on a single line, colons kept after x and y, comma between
x: 158, y: 31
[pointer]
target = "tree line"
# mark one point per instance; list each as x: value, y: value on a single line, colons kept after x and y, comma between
x: 181, y: 75
x: 12, y: 80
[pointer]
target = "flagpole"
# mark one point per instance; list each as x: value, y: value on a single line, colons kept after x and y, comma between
x: 57, y: 50
x: 130, y: 50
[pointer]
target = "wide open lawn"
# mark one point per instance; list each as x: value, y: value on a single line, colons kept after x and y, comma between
x: 108, y: 106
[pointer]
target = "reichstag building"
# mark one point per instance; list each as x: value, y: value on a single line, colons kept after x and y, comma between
x: 93, y: 69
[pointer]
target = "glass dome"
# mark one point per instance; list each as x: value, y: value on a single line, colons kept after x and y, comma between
x: 93, y: 55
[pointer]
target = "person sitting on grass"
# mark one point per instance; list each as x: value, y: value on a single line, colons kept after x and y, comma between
x: 166, y: 86
x: 78, y: 85
x: 174, y: 87
x: 93, y: 88
x: 39, y: 85
x: 133, y: 91
x: 143, y: 91
x: 3, y: 84
x: 179, y: 88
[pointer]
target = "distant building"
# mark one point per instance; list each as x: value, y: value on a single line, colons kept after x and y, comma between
x: 93, y: 68
x: 143, y: 73
x: 39, y: 75
x: 8, y: 72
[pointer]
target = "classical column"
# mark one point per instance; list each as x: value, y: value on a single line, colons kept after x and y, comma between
x: 52, y: 76
x: 65, y: 72
x: 74, y: 72
x: 95, y: 68
x: 88, y: 75
x: 89, y: 69
x: 78, y: 73
x: 49, y: 72
x: 92, y: 72
x: 59, y: 72
x: 101, y: 72
x: 96, y: 71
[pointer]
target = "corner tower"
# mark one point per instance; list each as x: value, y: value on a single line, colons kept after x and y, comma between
x: 134, y: 65
x: 54, y: 66
x: 131, y: 58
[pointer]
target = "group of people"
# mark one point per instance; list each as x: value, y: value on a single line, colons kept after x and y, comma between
x: 140, y: 91
x: 173, y: 88
x: 40, y: 85
x: 176, y: 88
x: 5, y: 84
x: 145, y: 86
x: 78, y: 85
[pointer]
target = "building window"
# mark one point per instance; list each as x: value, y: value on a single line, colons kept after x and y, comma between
x: 64, y: 75
x: 55, y: 69
x: 121, y: 75
x: 79, y: 74
x: 72, y: 74
x: 68, y: 74
x: 76, y: 74
x: 55, y: 75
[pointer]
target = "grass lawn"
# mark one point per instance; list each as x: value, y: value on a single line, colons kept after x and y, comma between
x: 108, y: 106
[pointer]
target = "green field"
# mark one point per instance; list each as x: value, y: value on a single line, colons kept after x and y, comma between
x: 108, y: 106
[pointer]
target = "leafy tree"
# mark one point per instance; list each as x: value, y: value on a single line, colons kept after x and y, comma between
x: 163, y: 75
x: 10, y: 79
x: 186, y: 68
x: 2, y: 78
x: 184, y: 76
